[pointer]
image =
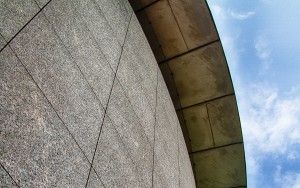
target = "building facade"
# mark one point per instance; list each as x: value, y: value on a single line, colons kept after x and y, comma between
x: 111, y: 93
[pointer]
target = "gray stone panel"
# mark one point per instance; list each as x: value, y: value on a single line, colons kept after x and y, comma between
x: 95, y: 21
x: 36, y: 148
x: 62, y: 82
x: 168, y: 77
x: 133, y: 135
x: 5, y: 179
x: 84, y: 50
x: 14, y: 14
x: 166, y: 170
x: 95, y: 24
x: 186, y: 176
x: 42, y: 3
x: 112, y: 160
x: 2, y: 42
x: 94, y: 181
x: 58, y: 74
x: 137, y: 74
x: 117, y: 13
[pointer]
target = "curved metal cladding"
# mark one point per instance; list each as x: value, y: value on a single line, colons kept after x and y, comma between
x: 83, y: 102
x: 186, y: 44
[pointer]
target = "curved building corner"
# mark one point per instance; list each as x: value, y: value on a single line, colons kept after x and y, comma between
x: 116, y: 93
x: 184, y: 39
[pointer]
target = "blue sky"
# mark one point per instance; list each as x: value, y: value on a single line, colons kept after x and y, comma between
x: 261, y: 40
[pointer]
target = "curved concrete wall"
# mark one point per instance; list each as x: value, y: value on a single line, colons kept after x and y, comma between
x: 83, y: 103
x: 186, y: 44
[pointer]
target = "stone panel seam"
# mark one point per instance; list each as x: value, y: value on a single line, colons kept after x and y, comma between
x: 155, y: 121
x: 74, y: 62
x: 206, y: 101
x: 217, y: 147
x: 105, y: 112
x: 92, y: 35
x: 51, y: 105
x: 124, y: 145
x: 99, y: 8
x: 133, y: 109
x: 209, y: 121
x: 96, y: 97
x: 93, y: 38
x: 177, y: 24
x: 103, y: 107
x: 150, y: 4
x: 190, y: 50
x: 24, y: 26
x: 82, y: 74
x: 9, y: 175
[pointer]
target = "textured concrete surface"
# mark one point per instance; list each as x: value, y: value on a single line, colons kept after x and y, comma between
x: 2, y: 42
x: 37, y: 149
x: 5, y: 179
x: 57, y: 74
x: 162, y: 19
x: 186, y: 44
x: 195, y: 22
x: 83, y: 102
x: 225, y: 124
x: 221, y: 167
x: 201, y: 75
x: 14, y: 15
x: 199, y: 128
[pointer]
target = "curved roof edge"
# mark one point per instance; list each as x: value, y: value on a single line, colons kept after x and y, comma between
x: 184, y: 39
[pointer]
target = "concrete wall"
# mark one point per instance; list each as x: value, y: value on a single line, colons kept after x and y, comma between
x: 83, y: 102
x: 186, y: 44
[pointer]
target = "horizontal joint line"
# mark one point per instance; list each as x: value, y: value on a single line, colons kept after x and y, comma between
x: 206, y: 101
x: 191, y: 50
x: 208, y: 149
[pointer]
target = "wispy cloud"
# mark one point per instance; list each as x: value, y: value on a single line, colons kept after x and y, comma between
x: 270, y: 120
x: 241, y: 15
x: 263, y: 52
x: 262, y: 48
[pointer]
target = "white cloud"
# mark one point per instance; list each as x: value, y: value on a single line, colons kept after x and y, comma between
x: 242, y: 15
x: 269, y: 119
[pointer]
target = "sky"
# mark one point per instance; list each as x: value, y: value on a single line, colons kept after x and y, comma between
x: 261, y: 40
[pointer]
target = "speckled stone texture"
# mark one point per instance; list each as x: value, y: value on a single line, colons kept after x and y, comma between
x: 83, y: 102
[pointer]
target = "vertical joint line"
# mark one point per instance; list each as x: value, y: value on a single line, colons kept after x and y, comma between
x: 177, y: 24
x: 212, y: 134
x: 154, y: 130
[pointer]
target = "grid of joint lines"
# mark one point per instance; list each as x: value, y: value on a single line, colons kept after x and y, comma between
x: 83, y: 103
